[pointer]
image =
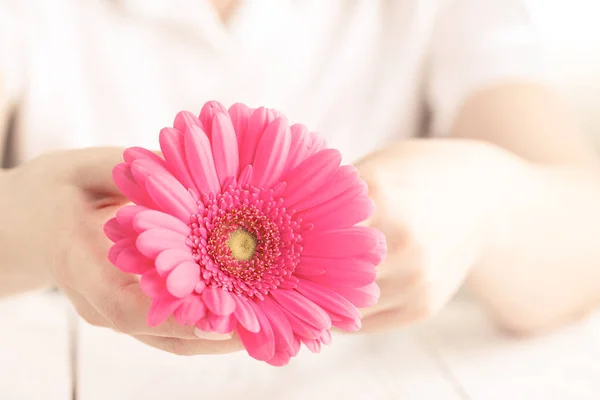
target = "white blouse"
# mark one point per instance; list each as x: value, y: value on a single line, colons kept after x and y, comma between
x: 362, y: 72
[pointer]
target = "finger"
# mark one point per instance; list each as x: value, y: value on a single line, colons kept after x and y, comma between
x: 415, y: 308
x: 127, y: 308
x: 192, y: 347
x: 391, y: 296
x: 209, y: 344
x: 85, y: 310
x: 117, y: 296
x: 91, y: 170
x: 90, y: 315
x: 397, y: 290
x: 390, y: 319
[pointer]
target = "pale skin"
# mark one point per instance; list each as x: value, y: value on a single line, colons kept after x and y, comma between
x: 508, y: 206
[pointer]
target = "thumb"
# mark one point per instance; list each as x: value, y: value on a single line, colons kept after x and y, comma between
x: 91, y: 170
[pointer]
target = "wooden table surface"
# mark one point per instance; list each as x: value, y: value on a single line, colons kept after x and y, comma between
x: 47, y: 353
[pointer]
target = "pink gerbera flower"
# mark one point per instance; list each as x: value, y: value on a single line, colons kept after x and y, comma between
x: 247, y: 225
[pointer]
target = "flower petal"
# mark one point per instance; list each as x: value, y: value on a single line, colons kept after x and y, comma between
x: 309, y: 266
x: 161, y: 309
x: 326, y: 337
x: 240, y: 114
x: 167, y: 260
x: 117, y: 248
x: 302, y: 308
x: 344, y: 272
x: 313, y: 345
x: 154, y: 241
x: 330, y: 205
x: 271, y: 153
x: 200, y: 161
x: 152, y: 284
x: 280, y: 358
x: 318, y: 142
x: 245, y: 314
x: 259, y: 345
x: 171, y: 197
x: 348, y: 324
x: 303, y: 145
x: 207, y: 116
x: 184, y: 120
x: 302, y: 328
x: 258, y: 122
x: 245, y: 176
x: 172, y: 147
x: 366, y: 296
x: 142, y: 169
x: 341, y: 181
x: 377, y: 255
x: 129, y: 187
x: 182, y: 281
x: 327, y: 299
x: 310, y: 175
x: 357, y: 210
x: 347, y: 242
x: 223, y: 324
x: 151, y: 219
x: 190, y: 311
x: 131, y: 261
x: 115, y: 231
x: 282, y: 329
x: 126, y: 214
x: 295, y: 349
x: 204, y: 324
x: 139, y: 153
x: 218, y: 301
x: 224, y: 147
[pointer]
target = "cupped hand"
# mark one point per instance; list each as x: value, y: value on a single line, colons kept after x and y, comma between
x: 439, y: 203
x: 55, y: 208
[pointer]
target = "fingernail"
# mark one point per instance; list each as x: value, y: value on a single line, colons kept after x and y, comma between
x: 211, y: 335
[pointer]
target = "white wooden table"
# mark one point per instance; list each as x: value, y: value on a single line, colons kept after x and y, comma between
x: 457, y: 355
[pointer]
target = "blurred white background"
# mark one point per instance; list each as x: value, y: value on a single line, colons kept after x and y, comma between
x: 441, y: 363
x: 571, y: 35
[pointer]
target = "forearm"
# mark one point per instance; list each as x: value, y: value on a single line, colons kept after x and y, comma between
x: 15, y: 277
x: 542, y: 265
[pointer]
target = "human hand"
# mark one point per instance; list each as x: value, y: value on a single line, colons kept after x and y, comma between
x: 57, y: 205
x: 438, y: 203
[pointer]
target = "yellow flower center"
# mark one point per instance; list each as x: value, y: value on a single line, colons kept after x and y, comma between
x: 242, y: 244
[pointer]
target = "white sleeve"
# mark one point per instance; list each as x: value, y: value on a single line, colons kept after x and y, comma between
x: 13, y: 48
x: 477, y: 44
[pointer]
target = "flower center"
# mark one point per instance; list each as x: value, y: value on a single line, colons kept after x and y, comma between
x: 246, y: 241
x: 242, y: 244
